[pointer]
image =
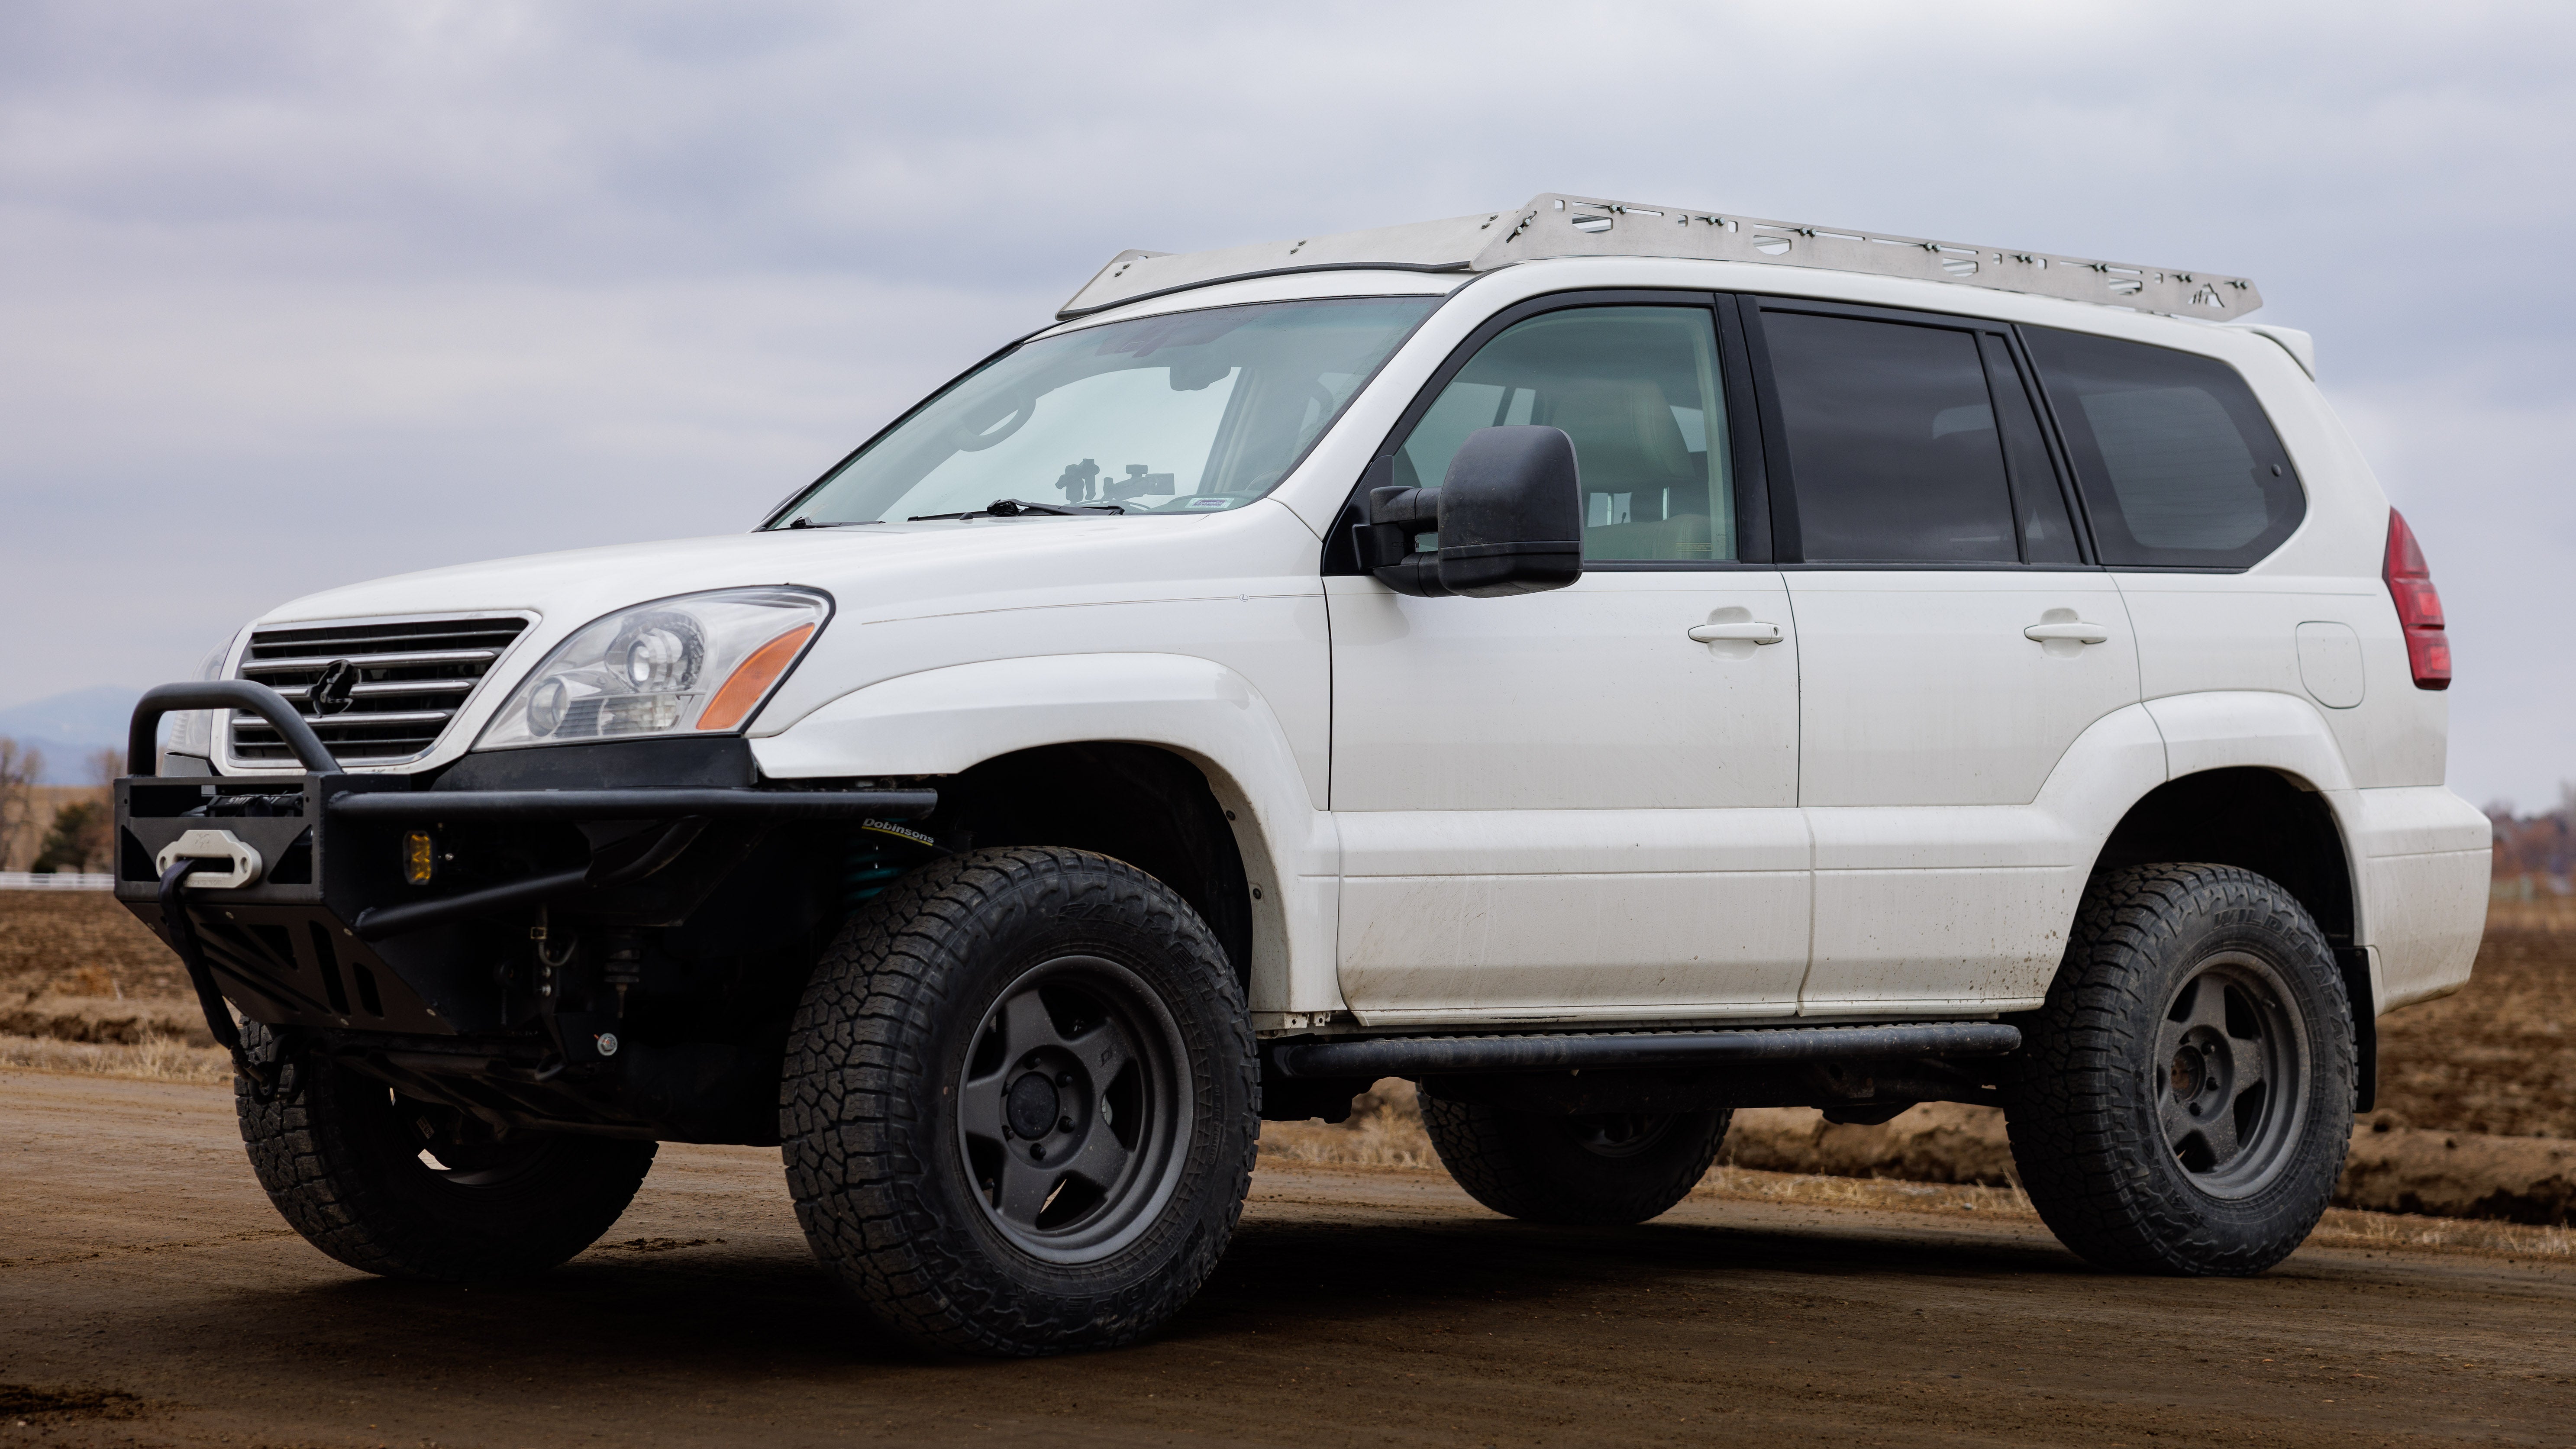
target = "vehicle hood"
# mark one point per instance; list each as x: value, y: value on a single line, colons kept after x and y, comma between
x: 875, y: 573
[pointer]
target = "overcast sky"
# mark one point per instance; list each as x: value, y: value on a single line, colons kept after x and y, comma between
x: 293, y: 294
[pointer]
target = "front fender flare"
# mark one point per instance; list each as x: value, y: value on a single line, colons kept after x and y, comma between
x: 947, y: 720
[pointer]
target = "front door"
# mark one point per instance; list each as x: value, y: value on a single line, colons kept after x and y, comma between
x: 1563, y: 806
x: 1952, y: 645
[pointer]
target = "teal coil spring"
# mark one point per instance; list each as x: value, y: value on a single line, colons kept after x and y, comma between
x: 867, y: 873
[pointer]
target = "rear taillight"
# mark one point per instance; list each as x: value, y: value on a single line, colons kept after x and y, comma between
x: 2419, y: 607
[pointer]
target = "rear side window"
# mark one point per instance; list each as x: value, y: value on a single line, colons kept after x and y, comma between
x: 1894, y: 456
x: 2178, y: 465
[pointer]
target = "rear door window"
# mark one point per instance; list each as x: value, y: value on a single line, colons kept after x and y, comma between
x: 2178, y: 465
x: 1893, y: 451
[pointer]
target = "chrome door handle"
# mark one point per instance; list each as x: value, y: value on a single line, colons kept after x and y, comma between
x: 2079, y: 632
x: 1748, y: 632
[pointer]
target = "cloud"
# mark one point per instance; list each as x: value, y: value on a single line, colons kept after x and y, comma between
x: 349, y: 288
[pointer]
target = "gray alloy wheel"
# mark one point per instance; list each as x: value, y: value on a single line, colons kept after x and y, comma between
x: 1072, y: 1110
x: 2233, y: 1053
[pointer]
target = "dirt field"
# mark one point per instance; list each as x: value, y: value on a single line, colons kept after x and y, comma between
x: 148, y: 1295
x: 2500, y: 1056
x: 81, y: 943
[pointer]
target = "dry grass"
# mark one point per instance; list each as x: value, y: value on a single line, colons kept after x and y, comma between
x: 106, y: 1020
x: 1746, y: 1184
x: 154, y: 1059
x: 1384, y: 1130
x: 2344, y: 1228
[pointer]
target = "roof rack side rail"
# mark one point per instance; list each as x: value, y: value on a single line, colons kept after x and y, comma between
x: 1555, y: 224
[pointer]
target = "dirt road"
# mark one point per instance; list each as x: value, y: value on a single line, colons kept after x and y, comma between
x: 149, y: 1295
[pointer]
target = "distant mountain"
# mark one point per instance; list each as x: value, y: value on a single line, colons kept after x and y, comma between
x: 70, y: 727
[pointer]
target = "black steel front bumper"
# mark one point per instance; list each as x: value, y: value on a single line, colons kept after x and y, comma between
x: 331, y: 936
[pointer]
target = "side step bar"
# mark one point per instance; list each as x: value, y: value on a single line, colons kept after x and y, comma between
x: 1439, y: 1056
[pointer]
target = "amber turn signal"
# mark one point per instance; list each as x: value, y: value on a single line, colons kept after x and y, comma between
x: 751, y: 680
x: 420, y: 857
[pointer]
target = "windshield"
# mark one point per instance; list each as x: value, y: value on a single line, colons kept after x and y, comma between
x: 1187, y: 413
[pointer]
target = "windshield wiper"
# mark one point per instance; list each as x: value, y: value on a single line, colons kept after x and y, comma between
x: 1014, y: 507
x: 803, y: 522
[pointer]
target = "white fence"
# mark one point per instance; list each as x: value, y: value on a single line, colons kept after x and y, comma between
x: 62, y: 880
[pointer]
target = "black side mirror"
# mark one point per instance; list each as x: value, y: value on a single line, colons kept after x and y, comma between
x: 1508, y: 519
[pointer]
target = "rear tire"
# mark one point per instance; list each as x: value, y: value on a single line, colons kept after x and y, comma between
x: 1603, y: 1170
x: 2186, y: 1097
x: 340, y: 1156
x: 1020, y: 1104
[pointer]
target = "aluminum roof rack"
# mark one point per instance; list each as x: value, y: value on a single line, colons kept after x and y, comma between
x: 1557, y: 225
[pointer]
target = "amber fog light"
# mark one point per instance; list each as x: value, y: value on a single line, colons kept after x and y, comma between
x: 420, y: 857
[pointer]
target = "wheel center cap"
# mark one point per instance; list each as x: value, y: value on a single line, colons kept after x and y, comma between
x: 2188, y: 1077
x: 1031, y: 1106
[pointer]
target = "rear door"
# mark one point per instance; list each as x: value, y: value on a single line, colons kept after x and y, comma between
x: 1562, y: 806
x: 1953, y: 642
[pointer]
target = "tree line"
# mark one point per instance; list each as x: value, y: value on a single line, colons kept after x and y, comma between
x: 76, y: 835
x: 2535, y: 855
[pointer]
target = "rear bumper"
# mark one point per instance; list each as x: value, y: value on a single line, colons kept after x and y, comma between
x: 2421, y: 864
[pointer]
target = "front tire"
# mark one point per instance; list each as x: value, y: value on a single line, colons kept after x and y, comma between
x: 341, y: 1156
x: 2187, y: 1095
x: 1020, y: 1105
x: 1600, y: 1170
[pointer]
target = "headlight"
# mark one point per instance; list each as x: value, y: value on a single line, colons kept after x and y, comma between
x: 700, y: 662
x: 193, y: 732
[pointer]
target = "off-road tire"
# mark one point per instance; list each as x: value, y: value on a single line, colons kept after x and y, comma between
x: 879, y: 1158
x: 339, y: 1155
x: 1546, y: 1169
x: 2092, y: 1095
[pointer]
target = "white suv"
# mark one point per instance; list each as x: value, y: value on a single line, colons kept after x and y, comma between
x: 1609, y: 664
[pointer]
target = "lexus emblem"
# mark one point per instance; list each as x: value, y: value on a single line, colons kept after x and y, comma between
x: 330, y: 693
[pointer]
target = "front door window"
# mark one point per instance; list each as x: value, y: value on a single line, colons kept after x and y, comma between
x: 1636, y: 389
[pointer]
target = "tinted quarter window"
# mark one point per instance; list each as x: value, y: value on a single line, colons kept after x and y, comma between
x: 2178, y: 465
x: 1637, y: 390
x: 1893, y: 451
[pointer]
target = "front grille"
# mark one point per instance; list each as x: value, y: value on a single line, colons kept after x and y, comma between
x: 412, y: 678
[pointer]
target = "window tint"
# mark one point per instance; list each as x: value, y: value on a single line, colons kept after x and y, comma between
x: 1893, y: 451
x: 2177, y: 462
x: 1637, y: 390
